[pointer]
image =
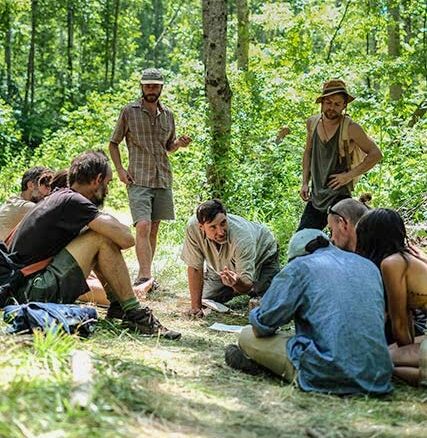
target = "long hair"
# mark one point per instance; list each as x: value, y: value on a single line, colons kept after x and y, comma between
x: 381, y: 233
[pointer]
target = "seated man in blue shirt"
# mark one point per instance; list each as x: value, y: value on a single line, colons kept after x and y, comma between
x: 336, y: 301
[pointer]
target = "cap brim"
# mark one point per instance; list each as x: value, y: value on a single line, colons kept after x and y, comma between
x: 350, y: 98
x: 151, y: 81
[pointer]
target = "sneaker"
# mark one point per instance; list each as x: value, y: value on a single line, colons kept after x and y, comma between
x: 235, y: 358
x: 143, y: 321
x: 115, y: 311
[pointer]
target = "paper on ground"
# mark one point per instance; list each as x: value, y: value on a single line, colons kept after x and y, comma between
x: 226, y: 328
x: 218, y: 307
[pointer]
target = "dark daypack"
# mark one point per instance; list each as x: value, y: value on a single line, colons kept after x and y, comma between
x: 12, y: 275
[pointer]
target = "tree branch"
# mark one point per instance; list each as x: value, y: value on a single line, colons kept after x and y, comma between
x: 159, y: 40
x: 331, y: 43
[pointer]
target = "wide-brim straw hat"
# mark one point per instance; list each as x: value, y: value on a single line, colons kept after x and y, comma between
x: 334, y: 86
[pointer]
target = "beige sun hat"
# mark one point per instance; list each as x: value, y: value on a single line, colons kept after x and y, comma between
x: 334, y: 86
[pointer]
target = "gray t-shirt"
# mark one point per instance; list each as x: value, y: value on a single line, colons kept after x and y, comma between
x: 247, y: 247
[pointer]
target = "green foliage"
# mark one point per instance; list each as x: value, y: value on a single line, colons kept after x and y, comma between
x: 288, y: 64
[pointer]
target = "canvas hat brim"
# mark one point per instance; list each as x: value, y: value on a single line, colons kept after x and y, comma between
x: 151, y: 81
x: 350, y: 98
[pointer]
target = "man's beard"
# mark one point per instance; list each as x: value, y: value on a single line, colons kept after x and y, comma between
x: 331, y: 115
x: 151, y: 97
x: 99, y: 197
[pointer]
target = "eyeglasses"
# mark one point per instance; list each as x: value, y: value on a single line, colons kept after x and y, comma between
x: 331, y: 211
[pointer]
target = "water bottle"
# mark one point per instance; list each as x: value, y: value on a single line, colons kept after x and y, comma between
x: 423, y: 361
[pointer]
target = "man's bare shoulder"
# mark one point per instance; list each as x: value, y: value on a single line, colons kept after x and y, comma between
x: 354, y: 127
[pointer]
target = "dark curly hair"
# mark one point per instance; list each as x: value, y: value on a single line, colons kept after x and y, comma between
x: 87, y: 166
x: 207, y: 211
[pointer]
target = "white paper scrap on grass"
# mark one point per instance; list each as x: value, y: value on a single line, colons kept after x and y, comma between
x: 226, y: 328
x: 218, y: 307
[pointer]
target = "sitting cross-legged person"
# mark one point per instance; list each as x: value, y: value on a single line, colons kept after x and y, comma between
x: 336, y: 300
x: 52, y: 237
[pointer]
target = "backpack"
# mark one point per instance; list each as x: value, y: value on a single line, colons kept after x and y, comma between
x: 351, y: 153
x: 12, y: 275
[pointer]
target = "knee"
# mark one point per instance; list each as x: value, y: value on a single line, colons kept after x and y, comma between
x: 143, y: 228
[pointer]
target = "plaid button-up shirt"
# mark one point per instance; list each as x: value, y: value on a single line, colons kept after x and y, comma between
x: 148, y: 139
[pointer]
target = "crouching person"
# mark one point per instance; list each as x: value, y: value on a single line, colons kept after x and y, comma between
x: 336, y: 301
x: 241, y: 257
x: 51, y: 236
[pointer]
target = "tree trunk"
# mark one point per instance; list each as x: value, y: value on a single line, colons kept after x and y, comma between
x: 114, y: 41
x: 242, y: 34
x: 157, y: 30
x: 8, y: 50
x: 70, y: 47
x: 107, y: 42
x: 394, y: 43
x: 371, y: 42
x: 217, y: 90
x: 29, y: 86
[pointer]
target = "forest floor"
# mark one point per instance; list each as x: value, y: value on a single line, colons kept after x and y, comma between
x: 149, y: 387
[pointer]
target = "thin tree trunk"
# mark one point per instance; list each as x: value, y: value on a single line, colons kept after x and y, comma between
x: 217, y: 90
x: 242, y: 34
x: 114, y: 41
x: 165, y: 28
x: 29, y: 86
x: 157, y: 30
x: 70, y: 47
x: 331, y: 43
x: 394, y: 43
x: 107, y: 42
x: 8, y: 50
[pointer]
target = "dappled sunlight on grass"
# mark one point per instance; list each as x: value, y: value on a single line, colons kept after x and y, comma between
x: 157, y: 388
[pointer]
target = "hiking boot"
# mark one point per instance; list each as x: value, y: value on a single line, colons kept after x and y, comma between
x: 143, y: 321
x: 237, y: 359
x: 115, y: 311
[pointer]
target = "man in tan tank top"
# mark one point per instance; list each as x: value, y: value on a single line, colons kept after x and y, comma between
x: 34, y: 187
x: 322, y: 164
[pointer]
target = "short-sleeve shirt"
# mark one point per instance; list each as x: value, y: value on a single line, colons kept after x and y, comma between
x: 148, y: 139
x: 247, y: 247
x: 51, y: 226
x: 336, y: 300
x: 11, y: 213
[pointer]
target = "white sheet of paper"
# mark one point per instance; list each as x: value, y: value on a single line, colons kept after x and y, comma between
x: 226, y: 328
x: 218, y: 307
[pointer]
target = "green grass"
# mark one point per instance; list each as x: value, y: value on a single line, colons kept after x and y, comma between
x: 157, y: 388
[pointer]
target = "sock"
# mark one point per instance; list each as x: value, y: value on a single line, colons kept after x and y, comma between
x: 130, y: 304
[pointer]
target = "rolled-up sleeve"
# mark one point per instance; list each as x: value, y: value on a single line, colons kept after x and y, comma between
x: 279, y: 304
x: 121, y: 128
x: 191, y: 252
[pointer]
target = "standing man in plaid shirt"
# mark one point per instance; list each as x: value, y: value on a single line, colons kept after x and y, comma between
x: 149, y: 129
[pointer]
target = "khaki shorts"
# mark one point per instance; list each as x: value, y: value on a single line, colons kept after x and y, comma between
x: 61, y: 282
x: 269, y: 352
x: 150, y: 204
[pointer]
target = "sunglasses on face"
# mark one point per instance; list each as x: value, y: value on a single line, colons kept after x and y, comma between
x: 330, y: 210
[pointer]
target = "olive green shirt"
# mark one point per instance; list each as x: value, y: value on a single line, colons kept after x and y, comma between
x: 247, y: 247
